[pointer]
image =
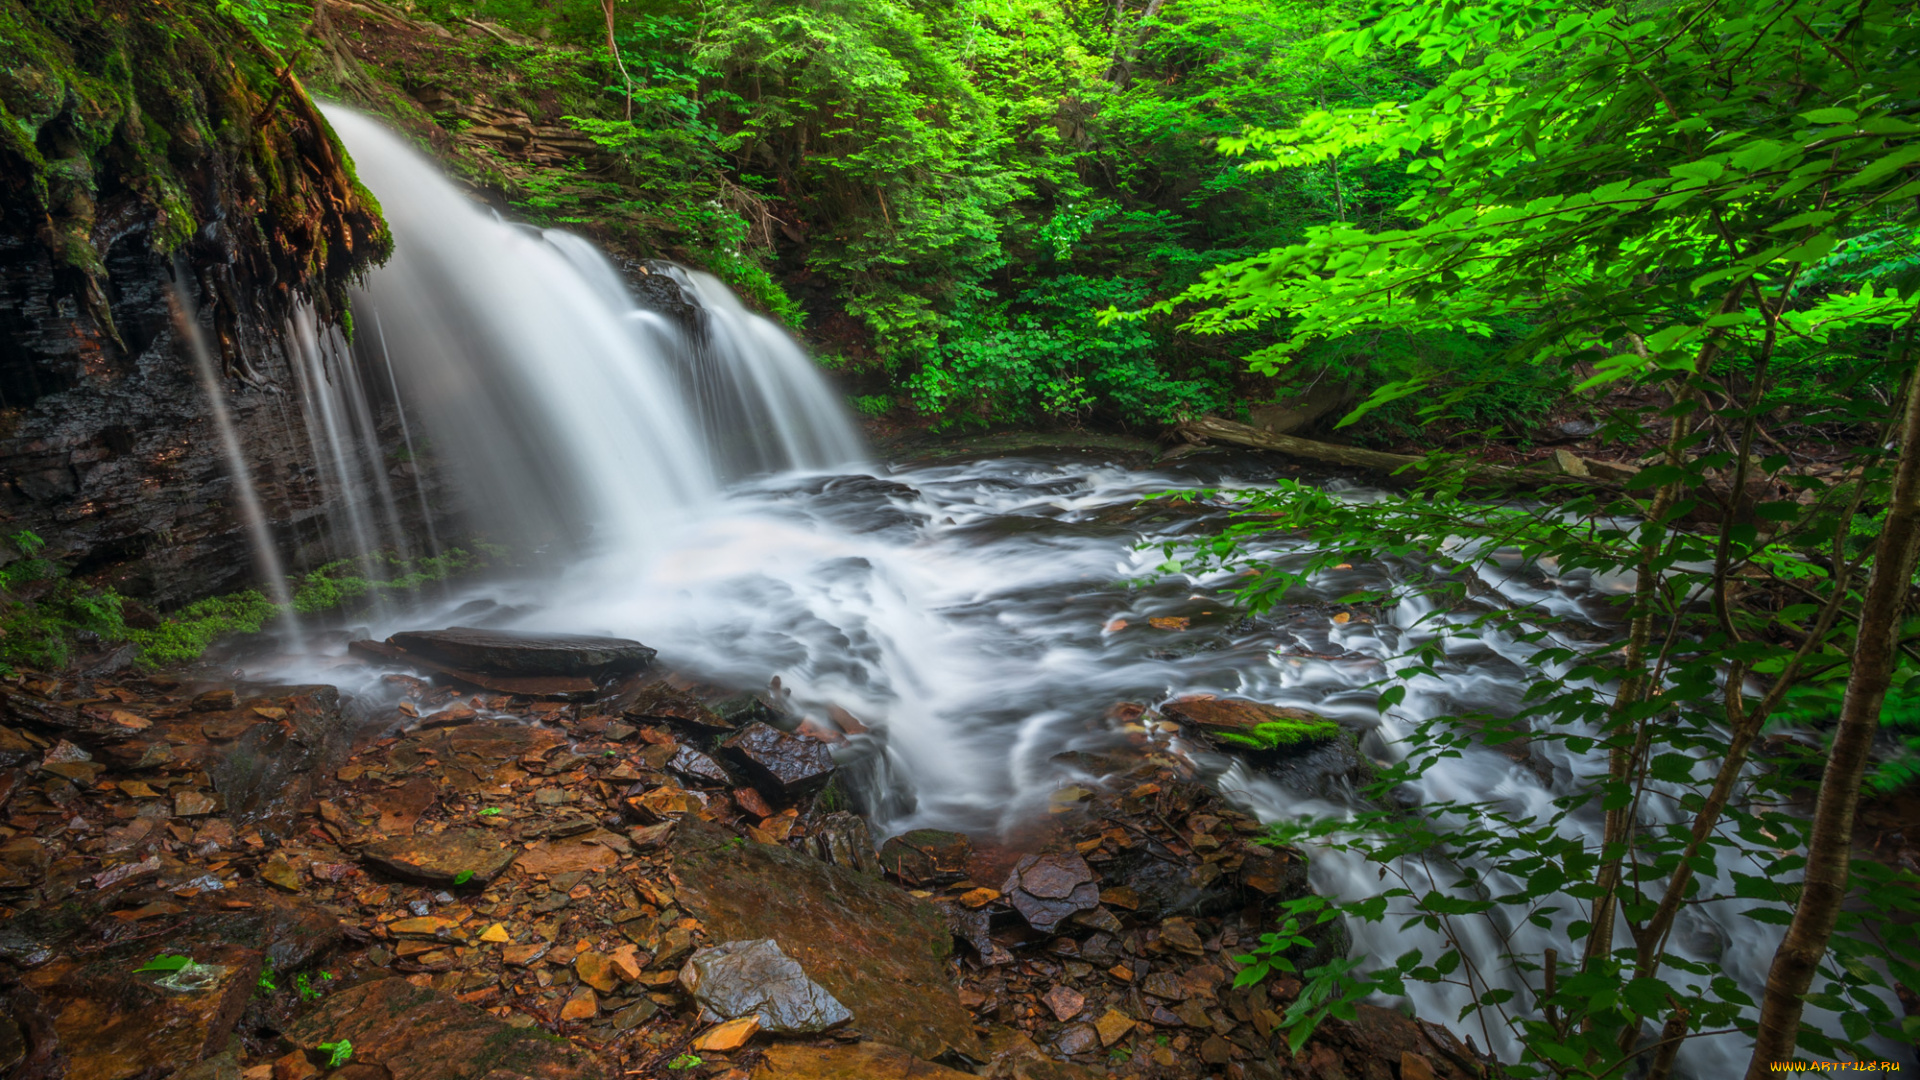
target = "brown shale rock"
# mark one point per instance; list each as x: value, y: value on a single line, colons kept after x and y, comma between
x: 441, y: 859
x: 924, y: 858
x: 860, y: 1061
x: 418, y: 1033
x: 880, y: 952
x: 113, y: 1024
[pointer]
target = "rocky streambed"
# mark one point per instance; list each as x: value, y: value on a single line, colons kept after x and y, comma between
x: 617, y: 873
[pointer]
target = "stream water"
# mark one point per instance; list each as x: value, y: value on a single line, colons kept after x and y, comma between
x: 714, y: 501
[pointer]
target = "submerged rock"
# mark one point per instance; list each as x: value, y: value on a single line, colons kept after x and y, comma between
x: 878, y: 950
x: 506, y: 652
x: 754, y: 978
x: 418, y: 1033
x: 926, y: 857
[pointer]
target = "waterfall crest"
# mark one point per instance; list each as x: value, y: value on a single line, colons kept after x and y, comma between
x: 565, y: 410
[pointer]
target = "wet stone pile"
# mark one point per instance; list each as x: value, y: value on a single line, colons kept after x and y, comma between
x: 236, y: 882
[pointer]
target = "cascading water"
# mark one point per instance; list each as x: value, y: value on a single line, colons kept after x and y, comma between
x: 979, y: 618
x: 556, y: 399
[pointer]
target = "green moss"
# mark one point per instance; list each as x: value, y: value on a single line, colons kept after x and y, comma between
x: 44, y: 615
x: 1273, y: 734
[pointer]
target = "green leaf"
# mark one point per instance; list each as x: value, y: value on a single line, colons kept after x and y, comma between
x: 338, y: 1053
x: 1833, y: 115
x: 164, y: 962
x: 463, y: 877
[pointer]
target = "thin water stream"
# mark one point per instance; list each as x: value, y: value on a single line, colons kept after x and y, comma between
x: 711, y: 498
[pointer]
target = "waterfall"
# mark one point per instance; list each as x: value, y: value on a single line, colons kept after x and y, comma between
x: 566, y: 411
x: 260, y: 537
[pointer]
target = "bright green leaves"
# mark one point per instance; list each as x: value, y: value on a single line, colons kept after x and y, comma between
x: 1587, y: 183
x: 164, y: 962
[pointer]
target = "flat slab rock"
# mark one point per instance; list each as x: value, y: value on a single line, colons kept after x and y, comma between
x: 880, y: 951
x: 442, y: 858
x: 419, y: 1033
x: 860, y: 1061
x: 113, y: 1024
x: 507, y: 652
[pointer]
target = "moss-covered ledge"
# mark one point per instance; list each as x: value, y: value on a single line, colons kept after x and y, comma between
x: 173, y: 116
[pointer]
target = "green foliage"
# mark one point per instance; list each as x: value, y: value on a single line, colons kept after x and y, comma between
x: 342, y: 584
x: 184, y: 635
x: 871, y: 405
x: 42, y: 612
x: 164, y: 962
x: 685, y: 1061
x: 338, y: 1053
x: 1717, y: 207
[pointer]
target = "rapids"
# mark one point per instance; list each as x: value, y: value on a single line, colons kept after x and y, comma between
x: 704, y: 491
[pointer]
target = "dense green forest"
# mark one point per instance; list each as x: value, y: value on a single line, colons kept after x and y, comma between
x: 1684, y: 234
x: 946, y: 198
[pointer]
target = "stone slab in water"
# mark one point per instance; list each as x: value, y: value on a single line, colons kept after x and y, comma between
x: 539, y: 686
x: 1233, y: 714
x: 507, y: 652
x: 418, y: 1033
x: 880, y: 951
x: 926, y: 857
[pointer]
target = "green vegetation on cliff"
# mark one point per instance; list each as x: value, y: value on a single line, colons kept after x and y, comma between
x: 182, y: 114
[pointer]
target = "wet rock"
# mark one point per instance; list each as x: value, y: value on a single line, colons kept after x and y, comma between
x: 1065, y: 1002
x: 506, y: 652
x: 860, y: 1061
x: 112, y: 1022
x: 754, y: 978
x: 442, y: 859
x: 267, y: 774
x: 569, y: 855
x: 13, y: 1044
x: 570, y: 687
x: 729, y: 1036
x: 880, y: 952
x: 843, y: 839
x: 90, y: 725
x: 1046, y: 889
x: 1241, y: 717
x: 789, y: 765
x: 924, y: 858
x: 661, y: 703
x: 695, y: 765
x: 1077, y: 1039
x: 418, y: 1033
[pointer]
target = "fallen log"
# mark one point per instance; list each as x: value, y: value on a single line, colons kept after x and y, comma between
x: 1355, y: 457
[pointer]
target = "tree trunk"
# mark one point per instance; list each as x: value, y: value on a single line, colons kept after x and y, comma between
x: 1354, y: 457
x: 1830, y: 845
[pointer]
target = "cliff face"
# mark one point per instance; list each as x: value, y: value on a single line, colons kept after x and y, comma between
x: 145, y: 146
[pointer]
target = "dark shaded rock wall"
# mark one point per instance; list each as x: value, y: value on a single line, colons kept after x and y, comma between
x: 140, y: 143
